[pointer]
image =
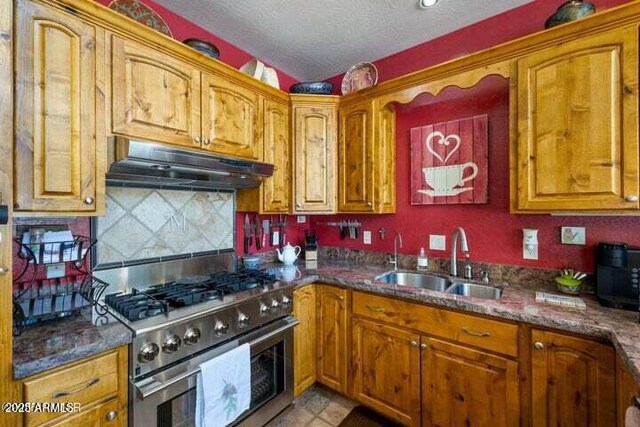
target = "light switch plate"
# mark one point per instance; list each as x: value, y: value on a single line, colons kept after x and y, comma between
x: 276, y: 238
x: 437, y: 242
x: 573, y: 235
x: 366, y: 237
x: 301, y: 219
x: 55, y: 270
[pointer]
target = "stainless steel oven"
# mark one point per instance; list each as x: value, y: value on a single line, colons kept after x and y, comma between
x: 168, y: 398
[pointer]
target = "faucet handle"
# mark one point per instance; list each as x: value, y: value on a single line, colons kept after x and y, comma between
x: 468, y: 271
x: 484, y: 277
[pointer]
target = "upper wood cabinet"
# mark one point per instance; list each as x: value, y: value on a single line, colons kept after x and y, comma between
x: 231, y: 118
x: 366, y: 159
x: 154, y: 95
x: 274, y: 195
x: 304, y: 339
x: 315, y: 127
x: 332, y: 312
x: 576, y: 116
x: 385, y: 367
x: 59, y: 109
x: 573, y: 382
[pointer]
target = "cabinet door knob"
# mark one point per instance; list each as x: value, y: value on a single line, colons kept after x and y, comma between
x: 3, y: 270
x: 538, y: 345
x: 423, y: 346
x: 341, y: 298
x: 207, y: 141
x: 197, y: 140
x: 414, y: 343
x: 369, y: 204
x: 631, y: 198
x: 299, y: 206
x: 88, y: 200
x: 111, y: 415
x: 627, y: 90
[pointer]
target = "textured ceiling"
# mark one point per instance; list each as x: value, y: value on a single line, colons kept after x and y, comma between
x: 315, y: 40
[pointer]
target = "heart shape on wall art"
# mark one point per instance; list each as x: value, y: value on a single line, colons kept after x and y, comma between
x: 442, y: 140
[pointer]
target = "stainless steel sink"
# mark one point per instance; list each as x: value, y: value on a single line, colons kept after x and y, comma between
x: 475, y: 291
x: 415, y: 280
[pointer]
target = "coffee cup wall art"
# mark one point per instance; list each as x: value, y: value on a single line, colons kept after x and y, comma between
x: 449, y: 162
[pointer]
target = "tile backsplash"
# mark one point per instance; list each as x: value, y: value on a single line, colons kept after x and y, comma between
x: 143, y: 223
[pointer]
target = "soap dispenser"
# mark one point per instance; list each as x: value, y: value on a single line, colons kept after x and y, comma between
x: 423, y: 261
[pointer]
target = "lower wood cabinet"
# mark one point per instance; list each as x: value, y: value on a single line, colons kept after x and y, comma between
x: 626, y: 389
x: 466, y: 387
x: 332, y: 311
x: 573, y: 382
x: 304, y: 339
x: 385, y: 362
x: 98, y: 384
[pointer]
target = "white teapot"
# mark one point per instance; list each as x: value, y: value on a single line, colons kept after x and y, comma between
x: 289, y: 254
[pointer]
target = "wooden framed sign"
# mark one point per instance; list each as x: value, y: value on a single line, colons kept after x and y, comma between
x: 449, y: 162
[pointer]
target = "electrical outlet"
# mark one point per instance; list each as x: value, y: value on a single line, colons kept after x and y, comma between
x: 276, y: 238
x: 572, y: 235
x: 301, y: 219
x: 437, y: 242
x: 55, y: 270
x: 366, y: 237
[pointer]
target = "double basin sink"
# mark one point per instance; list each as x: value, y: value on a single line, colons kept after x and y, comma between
x: 437, y: 283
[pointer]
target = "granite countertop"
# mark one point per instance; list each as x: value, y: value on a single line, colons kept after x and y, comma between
x: 517, y: 303
x: 55, y: 343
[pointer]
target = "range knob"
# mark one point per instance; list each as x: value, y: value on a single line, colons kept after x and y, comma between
x: 220, y: 328
x: 148, y: 352
x: 275, y: 305
x: 286, y: 301
x: 243, y: 320
x: 171, y: 344
x: 191, y: 336
x: 264, y: 309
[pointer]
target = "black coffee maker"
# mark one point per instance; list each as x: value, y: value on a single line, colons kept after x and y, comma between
x: 617, y: 275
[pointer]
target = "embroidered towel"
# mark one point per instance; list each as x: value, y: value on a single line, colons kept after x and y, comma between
x: 223, y: 388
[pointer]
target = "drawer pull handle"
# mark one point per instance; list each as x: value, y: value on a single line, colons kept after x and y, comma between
x: 377, y: 309
x: 60, y: 394
x: 111, y: 415
x: 476, y: 334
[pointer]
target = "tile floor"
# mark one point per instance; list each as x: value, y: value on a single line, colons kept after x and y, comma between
x: 317, y: 407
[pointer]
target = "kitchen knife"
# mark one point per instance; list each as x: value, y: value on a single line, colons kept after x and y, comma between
x: 265, y: 231
x: 247, y: 233
x: 256, y: 228
x: 284, y: 230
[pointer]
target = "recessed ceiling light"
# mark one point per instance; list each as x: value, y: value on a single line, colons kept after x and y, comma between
x: 426, y: 3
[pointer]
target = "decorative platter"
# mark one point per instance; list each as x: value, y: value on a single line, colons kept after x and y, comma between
x: 142, y: 13
x: 359, y: 76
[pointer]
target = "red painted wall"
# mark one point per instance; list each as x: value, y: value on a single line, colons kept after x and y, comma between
x: 183, y: 29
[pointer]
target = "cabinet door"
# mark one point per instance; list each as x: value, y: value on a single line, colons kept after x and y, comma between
x: 60, y: 135
x: 304, y: 339
x: 356, y: 179
x: 155, y: 96
x: 626, y: 389
x: 572, y: 381
x: 462, y: 386
x: 277, y: 150
x: 231, y: 118
x: 385, y: 364
x: 577, y: 108
x: 315, y: 158
x: 332, y: 337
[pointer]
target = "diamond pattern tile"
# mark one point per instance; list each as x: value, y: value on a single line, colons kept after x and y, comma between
x: 154, y: 211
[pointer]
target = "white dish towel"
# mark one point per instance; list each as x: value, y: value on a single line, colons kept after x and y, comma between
x: 632, y: 417
x: 223, y: 388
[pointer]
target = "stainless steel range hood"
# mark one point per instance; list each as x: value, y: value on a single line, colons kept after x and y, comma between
x: 144, y: 163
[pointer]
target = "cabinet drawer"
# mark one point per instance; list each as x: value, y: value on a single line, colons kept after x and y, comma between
x: 83, y: 383
x: 477, y: 331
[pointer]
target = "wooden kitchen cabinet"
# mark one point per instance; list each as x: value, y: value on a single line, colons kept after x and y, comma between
x: 572, y: 381
x: 626, y: 389
x: 315, y: 127
x: 154, y: 95
x: 332, y: 311
x: 575, y: 114
x: 366, y: 159
x: 231, y: 118
x: 98, y: 384
x: 385, y: 367
x: 274, y: 195
x: 304, y: 339
x: 463, y: 386
x: 59, y: 111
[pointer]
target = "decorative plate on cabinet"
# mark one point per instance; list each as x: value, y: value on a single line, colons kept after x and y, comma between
x: 359, y: 76
x: 142, y: 13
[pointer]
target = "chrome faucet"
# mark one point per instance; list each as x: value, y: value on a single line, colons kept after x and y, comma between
x: 394, y: 261
x: 464, y: 247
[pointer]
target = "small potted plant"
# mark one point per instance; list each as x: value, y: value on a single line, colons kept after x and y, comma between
x: 569, y: 281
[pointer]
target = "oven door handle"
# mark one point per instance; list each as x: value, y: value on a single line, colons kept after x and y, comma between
x: 156, y: 386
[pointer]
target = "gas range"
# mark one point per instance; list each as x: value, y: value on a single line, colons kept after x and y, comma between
x: 199, y: 303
